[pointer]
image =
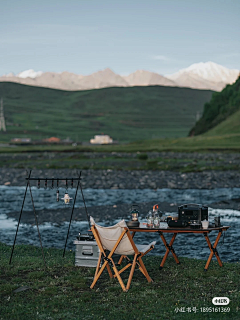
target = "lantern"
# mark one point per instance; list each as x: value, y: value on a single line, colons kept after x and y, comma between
x: 66, y: 198
x: 134, y: 212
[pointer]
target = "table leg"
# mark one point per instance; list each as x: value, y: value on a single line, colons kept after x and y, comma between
x: 213, y: 250
x: 169, y: 248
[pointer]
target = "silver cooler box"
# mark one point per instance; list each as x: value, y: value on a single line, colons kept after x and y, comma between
x: 86, y: 253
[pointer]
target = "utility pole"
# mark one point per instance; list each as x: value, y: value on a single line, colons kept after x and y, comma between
x: 2, y: 120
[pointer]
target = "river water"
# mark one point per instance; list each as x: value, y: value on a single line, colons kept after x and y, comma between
x: 53, y: 235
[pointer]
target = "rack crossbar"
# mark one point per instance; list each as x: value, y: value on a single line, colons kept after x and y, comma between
x: 52, y: 179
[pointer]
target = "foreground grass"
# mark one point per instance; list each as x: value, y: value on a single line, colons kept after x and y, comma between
x: 62, y: 290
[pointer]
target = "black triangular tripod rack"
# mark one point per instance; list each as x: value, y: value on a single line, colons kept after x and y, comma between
x: 28, y: 186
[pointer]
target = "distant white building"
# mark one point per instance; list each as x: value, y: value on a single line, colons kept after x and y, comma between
x: 19, y: 140
x: 101, y: 139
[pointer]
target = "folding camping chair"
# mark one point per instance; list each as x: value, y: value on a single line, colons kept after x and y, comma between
x: 117, y: 240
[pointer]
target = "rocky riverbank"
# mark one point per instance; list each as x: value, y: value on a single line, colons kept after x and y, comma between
x: 135, y: 179
x: 124, y: 179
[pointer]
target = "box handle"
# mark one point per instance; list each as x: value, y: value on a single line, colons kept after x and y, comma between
x: 87, y: 253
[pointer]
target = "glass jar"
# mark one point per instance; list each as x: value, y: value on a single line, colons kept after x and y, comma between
x: 156, y: 220
x: 150, y: 219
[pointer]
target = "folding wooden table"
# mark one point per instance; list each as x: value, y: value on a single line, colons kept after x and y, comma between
x: 169, y: 246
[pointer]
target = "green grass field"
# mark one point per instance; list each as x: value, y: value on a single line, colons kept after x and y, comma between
x: 62, y: 290
x: 199, y: 143
x: 118, y: 161
x: 58, y: 157
x: 126, y: 114
x: 141, y: 116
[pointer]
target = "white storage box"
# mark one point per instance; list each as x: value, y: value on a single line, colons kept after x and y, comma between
x: 86, y: 253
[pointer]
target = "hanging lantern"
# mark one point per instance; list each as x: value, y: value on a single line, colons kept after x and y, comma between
x: 66, y: 198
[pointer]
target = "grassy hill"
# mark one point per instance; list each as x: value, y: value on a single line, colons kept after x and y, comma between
x: 126, y: 114
x: 222, y: 106
x: 229, y: 126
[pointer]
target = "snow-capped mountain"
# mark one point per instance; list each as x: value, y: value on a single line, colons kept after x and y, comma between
x: 201, y: 75
x: 208, y: 75
x: 29, y: 74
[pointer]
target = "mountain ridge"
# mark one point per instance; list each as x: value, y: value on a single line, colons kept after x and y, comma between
x: 208, y: 75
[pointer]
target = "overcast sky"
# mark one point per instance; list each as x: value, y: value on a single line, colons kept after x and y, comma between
x: 84, y: 36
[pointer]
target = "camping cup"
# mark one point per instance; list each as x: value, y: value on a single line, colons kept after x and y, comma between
x: 205, y: 224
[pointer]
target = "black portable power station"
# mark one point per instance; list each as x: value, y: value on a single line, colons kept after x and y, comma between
x: 192, y: 212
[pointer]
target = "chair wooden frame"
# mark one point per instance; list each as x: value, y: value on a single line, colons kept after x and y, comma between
x: 108, y: 260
